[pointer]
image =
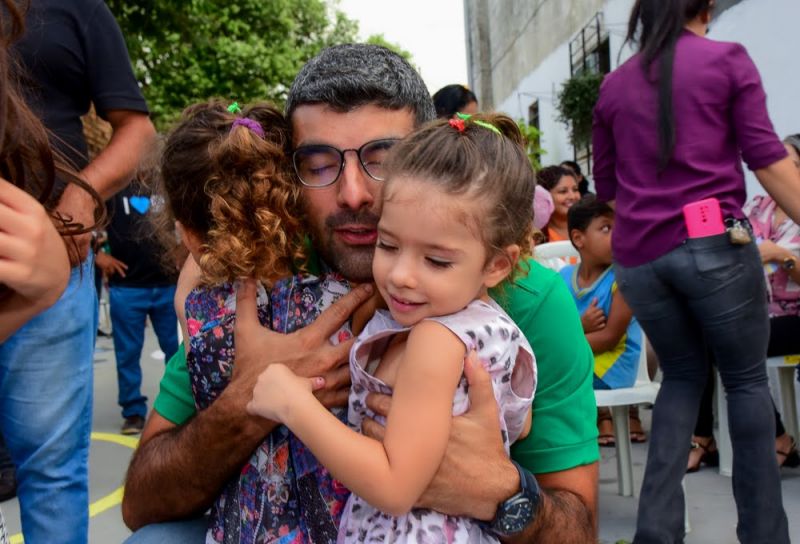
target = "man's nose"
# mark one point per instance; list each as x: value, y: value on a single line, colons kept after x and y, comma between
x: 356, y: 188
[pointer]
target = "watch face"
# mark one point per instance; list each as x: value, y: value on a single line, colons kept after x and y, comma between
x: 517, y: 513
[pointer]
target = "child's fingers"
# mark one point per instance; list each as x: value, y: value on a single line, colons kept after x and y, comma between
x: 380, y: 404
x: 317, y: 383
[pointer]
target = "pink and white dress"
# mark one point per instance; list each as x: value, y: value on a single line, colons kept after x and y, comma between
x: 508, y: 357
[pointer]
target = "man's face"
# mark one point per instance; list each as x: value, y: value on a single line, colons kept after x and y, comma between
x: 343, y: 217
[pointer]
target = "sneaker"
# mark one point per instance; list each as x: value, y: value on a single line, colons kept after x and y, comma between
x: 132, y: 425
x: 8, y: 483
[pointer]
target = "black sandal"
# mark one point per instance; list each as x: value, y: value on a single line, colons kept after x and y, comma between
x: 709, y: 457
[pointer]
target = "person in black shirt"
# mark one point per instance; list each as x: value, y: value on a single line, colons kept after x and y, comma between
x: 72, y: 55
x: 139, y: 287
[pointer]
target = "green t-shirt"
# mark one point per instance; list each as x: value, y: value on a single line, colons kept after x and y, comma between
x: 564, y: 430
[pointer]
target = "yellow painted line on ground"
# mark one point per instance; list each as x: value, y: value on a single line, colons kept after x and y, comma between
x: 112, y: 499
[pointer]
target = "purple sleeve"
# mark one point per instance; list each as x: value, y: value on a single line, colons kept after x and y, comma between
x: 755, y: 136
x: 605, y: 153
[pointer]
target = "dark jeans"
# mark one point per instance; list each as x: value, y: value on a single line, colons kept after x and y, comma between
x: 707, y: 292
x: 130, y: 308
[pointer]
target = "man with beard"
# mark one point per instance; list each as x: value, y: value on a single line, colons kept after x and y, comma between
x: 343, y: 101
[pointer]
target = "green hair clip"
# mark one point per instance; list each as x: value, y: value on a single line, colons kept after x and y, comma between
x: 234, y: 108
x: 484, y: 124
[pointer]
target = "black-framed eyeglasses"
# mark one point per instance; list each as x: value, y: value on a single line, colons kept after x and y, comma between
x: 321, y: 165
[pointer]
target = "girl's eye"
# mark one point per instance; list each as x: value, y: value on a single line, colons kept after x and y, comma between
x: 384, y: 246
x: 438, y: 263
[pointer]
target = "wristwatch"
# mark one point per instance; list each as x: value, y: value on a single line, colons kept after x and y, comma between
x: 516, y: 513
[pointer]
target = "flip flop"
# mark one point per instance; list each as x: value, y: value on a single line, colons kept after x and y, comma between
x: 638, y: 436
x: 606, y: 437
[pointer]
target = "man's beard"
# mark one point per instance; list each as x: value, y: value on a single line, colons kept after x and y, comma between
x: 352, y: 262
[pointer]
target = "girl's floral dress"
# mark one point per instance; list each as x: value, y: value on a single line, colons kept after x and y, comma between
x: 282, y: 494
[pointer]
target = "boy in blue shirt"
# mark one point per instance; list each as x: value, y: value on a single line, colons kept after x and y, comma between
x: 608, y: 322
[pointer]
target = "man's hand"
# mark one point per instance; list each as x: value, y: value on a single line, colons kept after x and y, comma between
x: 476, y: 474
x: 306, y: 352
x: 109, y: 265
x: 77, y: 206
x: 593, y: 319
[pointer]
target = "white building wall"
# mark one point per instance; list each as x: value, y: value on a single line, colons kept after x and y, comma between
x: 768, y: 28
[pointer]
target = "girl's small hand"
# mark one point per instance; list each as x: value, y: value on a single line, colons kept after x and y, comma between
x: 278, y: 390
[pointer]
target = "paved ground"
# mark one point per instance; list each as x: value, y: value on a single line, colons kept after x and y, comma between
x: 711, y: 508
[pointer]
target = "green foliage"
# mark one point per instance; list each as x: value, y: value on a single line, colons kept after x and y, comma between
x: 184, y: 51
x: 533, y: 139
x: 575, y: 103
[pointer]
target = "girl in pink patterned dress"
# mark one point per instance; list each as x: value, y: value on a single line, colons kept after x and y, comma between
x: 456, y: 219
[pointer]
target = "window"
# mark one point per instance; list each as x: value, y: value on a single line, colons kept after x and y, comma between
x: 589, y: 51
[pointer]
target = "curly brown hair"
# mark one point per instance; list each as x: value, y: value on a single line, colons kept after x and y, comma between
x: 479, y: 164
x: 236, y: 191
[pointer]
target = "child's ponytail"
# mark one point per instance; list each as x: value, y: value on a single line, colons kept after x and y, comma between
x: 228, y: 180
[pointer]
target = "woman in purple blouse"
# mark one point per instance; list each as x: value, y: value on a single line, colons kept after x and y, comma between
x: 669, y: 129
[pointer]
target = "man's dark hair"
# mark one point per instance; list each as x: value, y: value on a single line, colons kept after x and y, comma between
x: 345, y: 77
x: 583, y: 212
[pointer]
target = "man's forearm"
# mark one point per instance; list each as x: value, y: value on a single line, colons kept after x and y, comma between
x: 179, y: 472
x: 112, y: 169
x: 561, y: 518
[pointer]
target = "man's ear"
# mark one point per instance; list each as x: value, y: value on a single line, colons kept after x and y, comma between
x: 192, y: 240
x: 500, y: 265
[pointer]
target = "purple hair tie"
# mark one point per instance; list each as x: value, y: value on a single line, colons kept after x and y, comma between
x: 255, y: 126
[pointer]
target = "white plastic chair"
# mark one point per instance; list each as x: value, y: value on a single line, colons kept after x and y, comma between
x: 555, y: 255
x: 619, y: 400
x: 786, y: 366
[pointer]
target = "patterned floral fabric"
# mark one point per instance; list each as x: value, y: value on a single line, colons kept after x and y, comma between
x: 784, y: 293
x: 282, y: 494
x: 500, y: 344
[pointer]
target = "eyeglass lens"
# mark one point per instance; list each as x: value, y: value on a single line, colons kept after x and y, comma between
x: 321, y: 165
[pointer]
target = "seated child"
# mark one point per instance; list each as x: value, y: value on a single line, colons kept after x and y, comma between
x: 456, y: 219
x: 229, y: 186
x: 611, y: 330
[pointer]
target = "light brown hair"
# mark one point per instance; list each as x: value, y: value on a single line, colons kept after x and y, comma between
x: 478, y: 163
x: 235, y: 190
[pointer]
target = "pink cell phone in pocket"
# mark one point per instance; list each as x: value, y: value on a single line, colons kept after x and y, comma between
x: 703, y: 218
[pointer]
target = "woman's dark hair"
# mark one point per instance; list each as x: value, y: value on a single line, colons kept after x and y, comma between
x: 574, y: 166
x: 234, y: 188
x: 26, y: 158
x: 549, y: 176
x: 451, y: 99
x: 475, y: 162
x: 656, y: 26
